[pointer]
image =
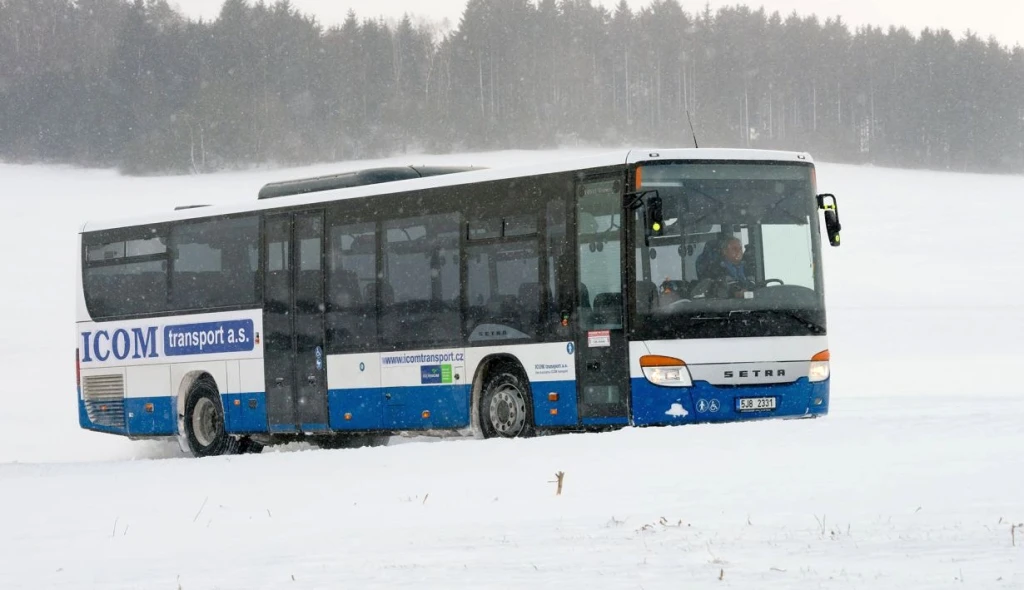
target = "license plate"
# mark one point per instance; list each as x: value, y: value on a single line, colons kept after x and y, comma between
x: 755, y: 404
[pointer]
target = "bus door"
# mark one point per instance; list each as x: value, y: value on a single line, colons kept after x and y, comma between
x: 294, y: 357
x: 602, y: 360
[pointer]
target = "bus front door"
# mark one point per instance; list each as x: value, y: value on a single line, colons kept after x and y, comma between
x: 294, y: 357
x: 602, y: 359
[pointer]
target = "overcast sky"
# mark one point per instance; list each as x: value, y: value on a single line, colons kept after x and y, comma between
x: 1002, y: 18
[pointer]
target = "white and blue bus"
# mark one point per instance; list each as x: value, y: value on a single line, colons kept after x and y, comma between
x: 636, y: 288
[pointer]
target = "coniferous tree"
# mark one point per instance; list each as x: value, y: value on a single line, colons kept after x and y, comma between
x: 132, y: 83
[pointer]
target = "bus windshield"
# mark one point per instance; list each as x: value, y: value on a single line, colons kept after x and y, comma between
x: 737, y: 256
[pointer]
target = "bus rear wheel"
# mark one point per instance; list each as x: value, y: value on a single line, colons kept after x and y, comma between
x: 204, y: 421
x: 505, y: 407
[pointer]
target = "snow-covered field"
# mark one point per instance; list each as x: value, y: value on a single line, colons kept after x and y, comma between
x: 915, y: 480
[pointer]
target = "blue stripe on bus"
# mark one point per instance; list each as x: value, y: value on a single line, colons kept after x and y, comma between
x: 369, y: 409
x: 602, y: 421
x: 653, y: 405
x: 448, y: 407
x: 564, y: 407
x: 355, y: 409
x: 245, y: 412
x: 162, y: 421
x: 704, y: 402
x: 420, y: 407
x: 85, y: 422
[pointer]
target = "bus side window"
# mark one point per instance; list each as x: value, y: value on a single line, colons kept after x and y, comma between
x: 420, y: 269
x: 504, y: 290
x: 211, y: 264
x: 351, y: 297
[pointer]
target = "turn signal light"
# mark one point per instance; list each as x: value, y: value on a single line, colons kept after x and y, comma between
x: 552, y: 397
x: 665, y: 371
x: 657, y: 360
x: 148, y: 408
x: 426, y: 414
x: 819, y: 370
x: 348, y: 416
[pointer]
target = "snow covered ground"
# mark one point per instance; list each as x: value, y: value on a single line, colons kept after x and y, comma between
x: 915, y: 480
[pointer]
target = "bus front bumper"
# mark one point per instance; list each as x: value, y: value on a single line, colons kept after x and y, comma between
x: 654, y: 405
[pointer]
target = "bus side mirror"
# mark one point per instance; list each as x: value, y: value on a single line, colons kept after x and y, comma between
x: 827, y: 203
x: 655, y: 216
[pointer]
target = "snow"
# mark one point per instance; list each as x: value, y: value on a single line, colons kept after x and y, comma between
x: 677, y: 410
x: 913, y: 481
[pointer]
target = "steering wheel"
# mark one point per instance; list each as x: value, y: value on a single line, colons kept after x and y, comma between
x: 770, y: 281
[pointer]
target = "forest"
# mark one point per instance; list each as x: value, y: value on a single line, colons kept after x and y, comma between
x: 135, y: 85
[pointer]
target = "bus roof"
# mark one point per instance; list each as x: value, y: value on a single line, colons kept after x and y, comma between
x: 621, y: 157
x: 302, y: 186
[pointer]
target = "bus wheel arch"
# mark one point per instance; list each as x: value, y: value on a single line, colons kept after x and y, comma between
x: 502, y: 399
x: 201, y: 425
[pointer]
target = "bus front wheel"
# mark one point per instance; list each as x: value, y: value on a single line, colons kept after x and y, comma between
x: 204, y: 421
x: 505, y: 407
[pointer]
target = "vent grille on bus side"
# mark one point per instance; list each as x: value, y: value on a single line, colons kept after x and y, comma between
x: 104, y: 399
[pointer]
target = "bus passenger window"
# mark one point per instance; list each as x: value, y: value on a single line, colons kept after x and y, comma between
x: 125, y: 275
x: 211, y: 264
x: 420, y: 303
x: 503, y: 284
x: 351, y: 287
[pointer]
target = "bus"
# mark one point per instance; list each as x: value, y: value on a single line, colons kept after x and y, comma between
x: 636, y: 288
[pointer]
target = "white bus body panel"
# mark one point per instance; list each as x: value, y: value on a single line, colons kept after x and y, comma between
x: 157, y: 359
x: 434, y: 389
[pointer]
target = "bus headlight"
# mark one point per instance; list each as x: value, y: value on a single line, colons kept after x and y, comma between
x: 665, y: 371
x: 819, y: 367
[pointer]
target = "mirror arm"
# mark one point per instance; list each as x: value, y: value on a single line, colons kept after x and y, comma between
x: 636, y: 199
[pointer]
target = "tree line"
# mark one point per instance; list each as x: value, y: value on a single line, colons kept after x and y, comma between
x: 135, y: 84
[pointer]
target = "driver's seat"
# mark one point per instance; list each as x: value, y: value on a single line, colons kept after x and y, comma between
x: 708, y: 258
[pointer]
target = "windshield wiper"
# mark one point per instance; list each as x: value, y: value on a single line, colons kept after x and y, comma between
x: 705, y: 317
x: 724, y: 316
x: 797, y: 317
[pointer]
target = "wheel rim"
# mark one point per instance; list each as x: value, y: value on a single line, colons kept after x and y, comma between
x: 205, y: 425
x: 508, y: 411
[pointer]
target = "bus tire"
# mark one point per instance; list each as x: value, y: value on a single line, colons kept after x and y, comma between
x: 506, y: 410
x: 247, y: 446
x: 204, y: 421
x: 375, y: 440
